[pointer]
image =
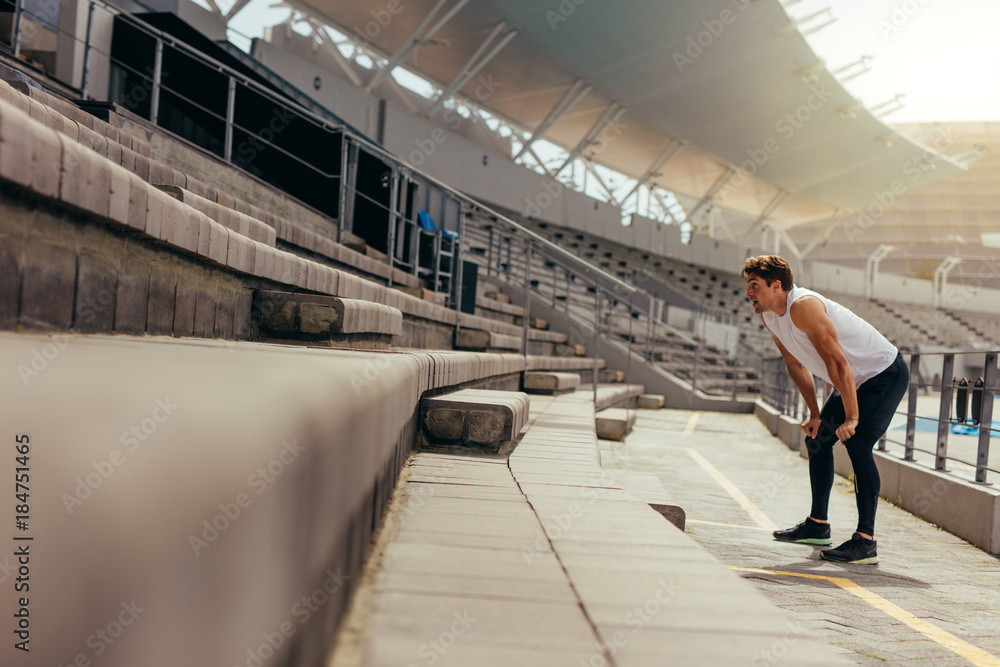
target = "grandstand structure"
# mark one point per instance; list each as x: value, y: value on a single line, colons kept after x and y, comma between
x: 258, y: 305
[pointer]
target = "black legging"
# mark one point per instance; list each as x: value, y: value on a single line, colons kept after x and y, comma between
x: 878, y: 399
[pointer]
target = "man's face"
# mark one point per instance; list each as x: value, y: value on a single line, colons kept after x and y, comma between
x: 764, y: 297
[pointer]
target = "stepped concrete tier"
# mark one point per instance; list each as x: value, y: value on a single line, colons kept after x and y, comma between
x: 422, y: 293
x: 615, y: 423
x: 537, y: 382
x: 475, y: 418
x: 650, y: 401
x: 614, y: 395
x: 314, y: 318
x: 499, y: 310
x: 173, y: 459
x: 542, y: 558
x: 486, y: 341
x: 566, y: 350
x: 498, y: 296
x: 648, y: 488
x: 533, y: 322
x: 611, y: 376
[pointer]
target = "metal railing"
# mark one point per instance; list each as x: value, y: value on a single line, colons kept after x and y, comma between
x: 963, y: 403
x: 613, y: 297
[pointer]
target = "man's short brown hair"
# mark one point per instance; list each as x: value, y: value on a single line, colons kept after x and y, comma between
x: 769, y: 268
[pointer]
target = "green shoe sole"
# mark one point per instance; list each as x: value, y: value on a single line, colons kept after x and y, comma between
x: 822, y: 541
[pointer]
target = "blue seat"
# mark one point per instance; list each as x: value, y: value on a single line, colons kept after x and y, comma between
x: 426, y: 223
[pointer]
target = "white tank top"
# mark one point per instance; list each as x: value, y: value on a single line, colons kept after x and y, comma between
x: 868, y: 352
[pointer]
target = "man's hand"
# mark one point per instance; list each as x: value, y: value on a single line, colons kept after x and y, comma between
x: 846, y: 429
x: 811, y: 425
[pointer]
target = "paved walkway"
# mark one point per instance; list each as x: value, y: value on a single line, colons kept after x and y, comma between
x: 543, y: 559
x: 932, y: 600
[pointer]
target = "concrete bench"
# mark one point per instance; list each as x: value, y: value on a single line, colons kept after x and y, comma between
x: 614, y: 423
x: 475, y: 418
x: 567, y: 350
x: 614, y: 395
x: 611, y: 376
x: 536, y: 382
x: 486, y: 341
x: 227, y: 217
x: 650, y: 401
x: 316, y: 318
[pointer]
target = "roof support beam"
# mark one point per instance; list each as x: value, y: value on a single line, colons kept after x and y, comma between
x: 663, y: 205
x: 562, y: 107
x: 772, y: 206
x: 237, y: 7
x: 332, y: 49
x: 720, y: 183
x: 668, y: 154
x: 837, y: 220
x: 475, y: 63
x: 493, y: 136
x: 610, y: 115
x: 783, y: 233
x: 600, y: 181
x: 416, y: 38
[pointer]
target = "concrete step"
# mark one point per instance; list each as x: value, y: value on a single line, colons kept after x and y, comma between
x: 313, y: 318
x: 611, y: 376
x: 648, y: 488
x: 567, y: 350
x: 536, y: 382
x: 650, y: 401
x: 422, y: 293
x: 534, y: 322
x: 614, y: 395
x: 614, y: 423
x: 475, y: 340
x: 474, y: 418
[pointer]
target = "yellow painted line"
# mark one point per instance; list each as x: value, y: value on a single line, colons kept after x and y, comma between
x: 689, y: 429
x: 731, y: 489
x: 726, y: 525
x: 963, y: 649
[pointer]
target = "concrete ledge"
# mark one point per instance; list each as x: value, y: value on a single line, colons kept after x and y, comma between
x: 504, y: 307
x: 550, y: 383
x: 228, y: 218
x: 614, y: 423
x: 612, y: 395
x: 606, y: 377
x: 485, y: 341
x: 548, y: 363
x: 650, y: 401
x: 565, y: 350
x: 475, y: 418
x: 315, y: 317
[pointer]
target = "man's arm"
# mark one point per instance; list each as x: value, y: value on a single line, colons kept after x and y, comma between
x: 803, y: 379
x: 810, y: 316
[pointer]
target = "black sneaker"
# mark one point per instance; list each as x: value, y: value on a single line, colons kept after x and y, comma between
x: 855, y: 550
x: 807, y: 532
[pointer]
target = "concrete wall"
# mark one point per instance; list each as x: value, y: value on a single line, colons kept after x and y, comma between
x: 970, y: 511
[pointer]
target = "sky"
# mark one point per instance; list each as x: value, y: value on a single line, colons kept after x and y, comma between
x: 943, y: 55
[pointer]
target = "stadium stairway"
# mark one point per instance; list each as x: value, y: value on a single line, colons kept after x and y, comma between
x: 544, y: 558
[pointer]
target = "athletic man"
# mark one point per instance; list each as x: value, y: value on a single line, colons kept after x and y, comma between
x: 817, y: 336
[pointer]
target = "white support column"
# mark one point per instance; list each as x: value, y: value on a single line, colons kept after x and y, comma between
x: 871, y: 269
x: 941, y: 278
x: 475, y: 63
